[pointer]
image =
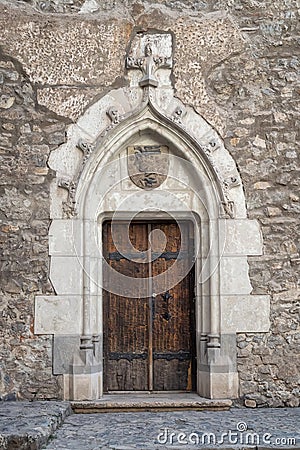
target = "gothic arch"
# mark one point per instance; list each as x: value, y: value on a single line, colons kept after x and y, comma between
x: 91, y: 184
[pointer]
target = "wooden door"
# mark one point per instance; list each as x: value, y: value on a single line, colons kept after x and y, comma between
x: 149, y: 340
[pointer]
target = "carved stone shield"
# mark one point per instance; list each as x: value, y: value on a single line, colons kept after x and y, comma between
x: 148, y: 165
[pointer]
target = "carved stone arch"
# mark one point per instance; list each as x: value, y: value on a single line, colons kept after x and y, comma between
x: 92, y: 182
x: 149, y: 121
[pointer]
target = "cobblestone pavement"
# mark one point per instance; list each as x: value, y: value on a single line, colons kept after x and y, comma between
x: 238, y: 428
x: 28, y: 425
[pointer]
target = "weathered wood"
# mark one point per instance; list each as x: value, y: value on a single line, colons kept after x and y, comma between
x: 173, y: 327
x: 125, y: 318
x: 149, y: 343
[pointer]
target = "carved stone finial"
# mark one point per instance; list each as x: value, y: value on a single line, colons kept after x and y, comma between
x: 228, y: 209
x: 178, y: 115
x: 149, y: 64
x: 231, y: 182
x: 69, y: 185
x: 86, y: 148
x: 113, y: 114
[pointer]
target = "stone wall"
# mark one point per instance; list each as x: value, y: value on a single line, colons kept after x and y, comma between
x: 28, y: 133
x: 237, y: 62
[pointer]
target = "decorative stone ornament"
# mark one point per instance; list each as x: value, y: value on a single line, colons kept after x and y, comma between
x: 148, y: 64
x: 231, y: 182
x: 178, y: 115
x: 86, y: 149
x: 69, y: 185
x: 148, y: 165
x: 154, y: 149
x: 114, y: 115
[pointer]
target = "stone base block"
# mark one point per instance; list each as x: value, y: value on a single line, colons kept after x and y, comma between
x: 215, y: 385
x: 84, y: 382
x: 83, y: 387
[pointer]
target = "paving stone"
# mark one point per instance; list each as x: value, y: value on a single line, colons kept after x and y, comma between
x: 127, y: 431
x: 28, y: 425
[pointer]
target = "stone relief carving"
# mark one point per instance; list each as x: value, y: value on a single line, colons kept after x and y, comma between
x: 114, y: 115
x: 228, y: 206
x: 86, y: 148
x: 115, y: 118
x: 69, y: 185
x: 69, y: 205
x: 178, y: 115
x: 148, y: 64
x: 227, y: 209
x: 231, y: 182
x: 148, y: 165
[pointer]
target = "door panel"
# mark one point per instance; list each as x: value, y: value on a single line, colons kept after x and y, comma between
x: 173, y: 325
x: 126, y: 339
x: 149, y: 343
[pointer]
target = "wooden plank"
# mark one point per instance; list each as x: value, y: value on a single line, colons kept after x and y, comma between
x: 151, y: 303
x: 126, y: 319
x: 173, y: 327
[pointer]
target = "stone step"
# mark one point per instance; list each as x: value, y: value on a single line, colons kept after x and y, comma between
x: 150, y: 402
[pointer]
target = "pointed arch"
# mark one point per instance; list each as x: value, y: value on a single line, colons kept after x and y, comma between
x: 148, y: 120
x: 91, y: 184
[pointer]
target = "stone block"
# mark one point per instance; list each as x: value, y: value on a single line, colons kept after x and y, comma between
x: 234, y: 277
x: 65, y: 238
x: 61, y: 315
x: 66, y: 274
x: 273, y: 211
x: 218, y: 385
x: 59, y: 160
x: 250, y: 403
x: 249, y: 313
x: 64, y: 348
x: 240, y: 237
x: 82, y: 387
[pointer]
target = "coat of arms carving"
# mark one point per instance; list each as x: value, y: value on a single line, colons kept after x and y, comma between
x: 148, y: 165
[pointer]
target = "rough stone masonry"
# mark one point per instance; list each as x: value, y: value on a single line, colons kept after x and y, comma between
x: 237, y: 63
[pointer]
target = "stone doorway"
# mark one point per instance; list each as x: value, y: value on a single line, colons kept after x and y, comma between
x: 141, y: 151
x: 149, y: 341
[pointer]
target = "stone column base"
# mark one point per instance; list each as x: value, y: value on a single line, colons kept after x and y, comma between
x: 217, y: 385
x: 83, y: 386
x: 84, y: 382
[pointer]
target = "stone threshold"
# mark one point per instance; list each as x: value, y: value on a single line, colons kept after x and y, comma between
x: 133, y: 402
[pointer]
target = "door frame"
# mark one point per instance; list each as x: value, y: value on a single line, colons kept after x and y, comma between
x: 145, y: 219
